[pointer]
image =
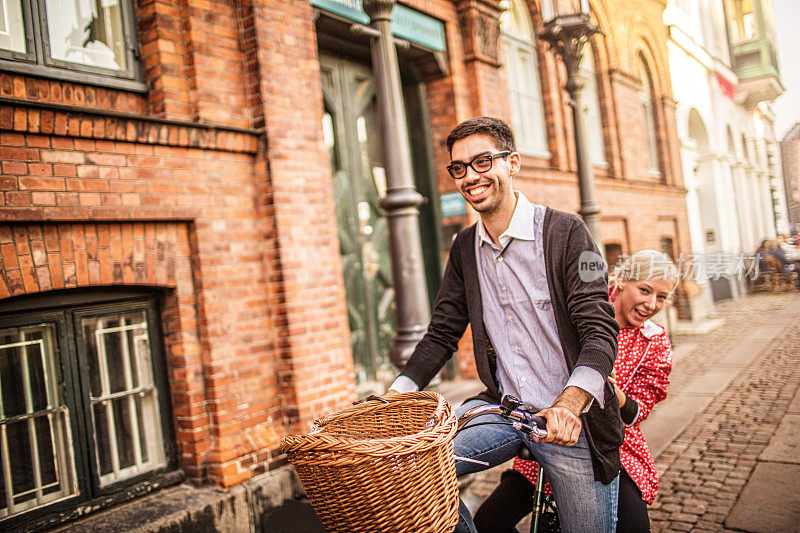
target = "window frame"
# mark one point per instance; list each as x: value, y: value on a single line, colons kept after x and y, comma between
x: 591, y: 80
x: 159, y: 381
x: 65, y: 311
x: 535, y: 142
x: 76, y: 422
x: 37, y: 61
x: 648, y: 107
x: 29, y: 55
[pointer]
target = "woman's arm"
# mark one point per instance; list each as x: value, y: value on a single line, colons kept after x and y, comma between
x: 649, y: 383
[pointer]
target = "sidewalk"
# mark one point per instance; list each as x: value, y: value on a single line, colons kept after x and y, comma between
x: 734, y: 464
x: 726, y: 437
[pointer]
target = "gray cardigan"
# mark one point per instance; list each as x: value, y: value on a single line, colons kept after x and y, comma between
x: 584, y: 317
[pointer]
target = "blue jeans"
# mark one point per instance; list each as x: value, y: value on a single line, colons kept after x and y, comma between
x: 583, y: 503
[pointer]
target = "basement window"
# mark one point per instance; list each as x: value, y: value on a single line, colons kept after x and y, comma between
x: 84, y: 410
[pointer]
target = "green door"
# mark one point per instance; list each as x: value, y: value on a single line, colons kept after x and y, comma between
x: 352, y: 134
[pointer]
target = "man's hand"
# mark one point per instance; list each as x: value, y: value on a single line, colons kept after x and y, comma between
x: 563, y: 418
x: 390, y: 392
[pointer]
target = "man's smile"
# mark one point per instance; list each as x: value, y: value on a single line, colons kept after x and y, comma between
x: 476, y: 192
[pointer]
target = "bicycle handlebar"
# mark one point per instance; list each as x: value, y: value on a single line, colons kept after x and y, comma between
x: 520, y: 416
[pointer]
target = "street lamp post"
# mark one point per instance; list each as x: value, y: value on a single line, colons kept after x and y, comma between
x: 567, y: 27
x: 402, y: 199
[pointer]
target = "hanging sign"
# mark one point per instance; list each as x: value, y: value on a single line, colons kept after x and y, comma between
x: 406, y: 23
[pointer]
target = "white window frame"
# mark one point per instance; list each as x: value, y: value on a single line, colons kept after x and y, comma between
x: 592, y: 112
x: 145, y: 390
x: 87, y: 489
x: 524, y: 84
x: 648, y: 119
x: 59, y: 418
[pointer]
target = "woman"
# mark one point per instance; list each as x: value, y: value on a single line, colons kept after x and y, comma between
x: 641, y: 375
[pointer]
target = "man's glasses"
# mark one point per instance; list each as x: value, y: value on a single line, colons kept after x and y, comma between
x: 481, y: 163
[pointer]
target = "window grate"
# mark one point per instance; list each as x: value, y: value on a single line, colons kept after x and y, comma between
x: 35, y: 440
x: 124, y: 401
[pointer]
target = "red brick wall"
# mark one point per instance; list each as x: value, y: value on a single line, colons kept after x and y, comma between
x: 255, y: 326
x: 223, y: 162
x: 316, y: 366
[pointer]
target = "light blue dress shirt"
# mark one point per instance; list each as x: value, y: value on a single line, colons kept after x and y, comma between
x: 518, y: 314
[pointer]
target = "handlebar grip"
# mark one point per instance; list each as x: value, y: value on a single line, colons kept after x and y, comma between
x: 539, y: 421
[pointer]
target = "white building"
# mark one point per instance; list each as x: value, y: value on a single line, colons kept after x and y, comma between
x: 724, y: 76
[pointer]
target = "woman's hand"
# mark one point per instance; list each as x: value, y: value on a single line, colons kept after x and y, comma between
x: 620, y: 395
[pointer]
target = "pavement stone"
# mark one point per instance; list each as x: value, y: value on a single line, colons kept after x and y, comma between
x: 784, y: 447
x: 769, y: 500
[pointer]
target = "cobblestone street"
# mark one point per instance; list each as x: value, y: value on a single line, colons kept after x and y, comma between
x: 704, y: 470
x: 730, y: 391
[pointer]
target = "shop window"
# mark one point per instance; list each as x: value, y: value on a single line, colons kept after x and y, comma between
x: 90, y: 41
x: 83, y: 407
x: 522, y: 69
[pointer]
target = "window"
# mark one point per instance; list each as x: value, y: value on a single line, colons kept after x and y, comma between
x: 668, y: 247
x: 35, y: 431
x: 647, y: 111
x: 744, y: 25
x: 83, y: 406
x: 90, y: 41
x: 591, y: 107
x: 122, y: 394
x: 613, y: 252
x: 522, y: 68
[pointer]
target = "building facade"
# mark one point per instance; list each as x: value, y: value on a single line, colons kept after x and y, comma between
x: 725, y: 74
x: 790, y: 161
x: 195, y: 261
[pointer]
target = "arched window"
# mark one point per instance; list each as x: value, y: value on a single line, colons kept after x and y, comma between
x: 522, y: 67
x: 648, y: 116
x: 591, y: 107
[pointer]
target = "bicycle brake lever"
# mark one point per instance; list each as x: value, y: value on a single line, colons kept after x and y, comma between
x: 529, y: 429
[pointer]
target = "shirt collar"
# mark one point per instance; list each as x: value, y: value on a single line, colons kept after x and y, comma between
x: 521, y: 225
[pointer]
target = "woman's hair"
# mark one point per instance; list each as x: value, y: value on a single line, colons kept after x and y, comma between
x: 647, y: 264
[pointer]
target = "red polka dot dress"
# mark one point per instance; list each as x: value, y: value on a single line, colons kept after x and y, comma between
x: 642, y: 369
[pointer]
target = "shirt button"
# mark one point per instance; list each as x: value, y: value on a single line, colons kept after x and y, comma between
x: 500, y: 258
x: 516, y: 348
x: 510, y: 318
x: 504, y: 288
x: 523, y: 379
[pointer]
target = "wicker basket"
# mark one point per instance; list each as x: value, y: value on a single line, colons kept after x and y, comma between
x: 381, y: 466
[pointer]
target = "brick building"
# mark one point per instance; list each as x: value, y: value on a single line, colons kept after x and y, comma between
x: 193, y: 258
x: 790, y: 159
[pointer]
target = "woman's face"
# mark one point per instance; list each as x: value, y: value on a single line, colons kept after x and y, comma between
x: 637, y: 301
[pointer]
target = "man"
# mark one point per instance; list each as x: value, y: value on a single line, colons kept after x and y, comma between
x: 543, y: 330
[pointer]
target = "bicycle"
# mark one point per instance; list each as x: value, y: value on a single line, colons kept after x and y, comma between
x: 521, y: 416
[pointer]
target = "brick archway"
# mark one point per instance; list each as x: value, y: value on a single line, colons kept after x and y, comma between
x: 43, y: 257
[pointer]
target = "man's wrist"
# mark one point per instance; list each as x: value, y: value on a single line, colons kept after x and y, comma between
x: 574, y: 399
